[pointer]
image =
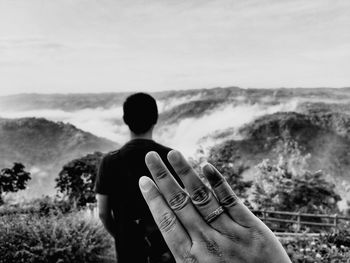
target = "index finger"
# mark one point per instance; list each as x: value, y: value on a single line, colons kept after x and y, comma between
x: 173, y: 232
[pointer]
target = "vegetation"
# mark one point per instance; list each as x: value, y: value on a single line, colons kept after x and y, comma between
x: 53, y: 237
x: 13, y: 179
x: 310, y: 250
x: 45, y: 146
x: 76, y: 179
x: 37, y: 141
x: 231, y: 169
x: 63, y: 230
x: 288, y: 186
x: 328, y: 247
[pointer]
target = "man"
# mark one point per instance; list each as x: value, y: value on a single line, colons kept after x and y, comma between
x: 122, y: 209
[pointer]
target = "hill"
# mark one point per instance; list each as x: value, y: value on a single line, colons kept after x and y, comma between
x: 325, y: 136
x: 74, y: 102
x: 191, y: 109
x: 44, y: 147
x: 249, y: 122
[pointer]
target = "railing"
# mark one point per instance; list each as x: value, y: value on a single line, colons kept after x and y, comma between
x: 296, y: 218
x: 299, y: 219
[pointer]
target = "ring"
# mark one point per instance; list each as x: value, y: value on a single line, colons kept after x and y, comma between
x: 213, y: 215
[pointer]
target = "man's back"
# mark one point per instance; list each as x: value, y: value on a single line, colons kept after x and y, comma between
x: 118, y: 178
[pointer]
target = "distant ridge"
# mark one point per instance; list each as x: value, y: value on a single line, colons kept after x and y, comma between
x: 44, y: 146
x: 326, y: 136
x: 73, y: 102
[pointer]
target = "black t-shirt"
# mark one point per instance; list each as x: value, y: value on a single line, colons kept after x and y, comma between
x: 118, y: 178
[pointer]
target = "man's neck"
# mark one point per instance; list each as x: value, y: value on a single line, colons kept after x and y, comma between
x: 147, y: 136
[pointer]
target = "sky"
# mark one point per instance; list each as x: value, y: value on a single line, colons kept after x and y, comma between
x: 72, y: 46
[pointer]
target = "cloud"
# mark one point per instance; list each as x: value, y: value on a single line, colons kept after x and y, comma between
x: 183, y: 135
x: 157, y: 45
x: 186, y: 134
x: 35, y: 43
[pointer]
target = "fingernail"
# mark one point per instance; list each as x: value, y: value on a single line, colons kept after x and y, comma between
x: 174, y: 156
x: 152, y: 157
x: 145, y: 184
x: 209, y: 167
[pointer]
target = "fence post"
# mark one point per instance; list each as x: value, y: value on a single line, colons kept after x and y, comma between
x: 336, y: 222
x: 298, y: 221
x: 264, y: 216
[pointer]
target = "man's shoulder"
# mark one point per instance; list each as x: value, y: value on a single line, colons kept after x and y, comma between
x: 144, y: 144
x: 111, y: 156
x: 131, y: 147
x: 163, y: 148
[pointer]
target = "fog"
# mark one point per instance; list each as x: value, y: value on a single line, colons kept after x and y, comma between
x: 183, y: 135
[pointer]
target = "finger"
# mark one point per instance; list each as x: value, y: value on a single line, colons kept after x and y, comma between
x: 227, y: 198
x: 173, y: 232
x: 201, y: 196
x: 176, y: 197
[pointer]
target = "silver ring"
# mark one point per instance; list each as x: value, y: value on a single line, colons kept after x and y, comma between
x: 215, y: 214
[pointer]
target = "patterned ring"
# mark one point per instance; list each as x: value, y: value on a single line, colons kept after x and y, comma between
x: 215, y: 214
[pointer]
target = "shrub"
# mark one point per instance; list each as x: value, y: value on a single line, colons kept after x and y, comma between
x: 74, y: 237
x: 314, y: 250
x: 232, y: 169
x: 340, y: 237
x: 289, y: 186
x: 43, y: 206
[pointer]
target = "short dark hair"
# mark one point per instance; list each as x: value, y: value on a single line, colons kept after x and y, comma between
x: 140, y: 112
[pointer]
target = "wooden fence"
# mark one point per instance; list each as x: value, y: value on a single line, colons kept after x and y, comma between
x: 299, y: 219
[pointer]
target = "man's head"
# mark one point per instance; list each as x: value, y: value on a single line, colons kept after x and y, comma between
x: 140, y: 113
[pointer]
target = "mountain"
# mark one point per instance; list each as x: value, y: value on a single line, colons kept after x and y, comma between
x: 325, y: 136
x: 247, y: 123
x: 44, y: 147
x: 191, y: 109
x: 74, y: 102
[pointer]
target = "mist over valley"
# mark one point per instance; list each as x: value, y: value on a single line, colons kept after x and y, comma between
x: 46, y: 131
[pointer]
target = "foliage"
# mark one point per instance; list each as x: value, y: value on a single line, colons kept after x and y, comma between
x: 311, y: 250
x: 76, y: 179
x: 288, y: 186
x: 53, y: 206
x: 43, y: 206
x: 340, y: 237
x: 329, y: 247
x: 75, y: 237
x: 13, y: 179
x: 222, y: 158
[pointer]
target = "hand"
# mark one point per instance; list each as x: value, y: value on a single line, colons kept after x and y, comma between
x: 200, y: 225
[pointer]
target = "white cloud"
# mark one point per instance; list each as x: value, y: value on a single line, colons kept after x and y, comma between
x: 186, y: 134
x: 183, y: 135
x: 155, y: 45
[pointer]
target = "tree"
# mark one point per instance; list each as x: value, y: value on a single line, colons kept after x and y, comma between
x: 13, y: 179
x: 224, y: 159
x: 76, y: 179
x: 288, y: 186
